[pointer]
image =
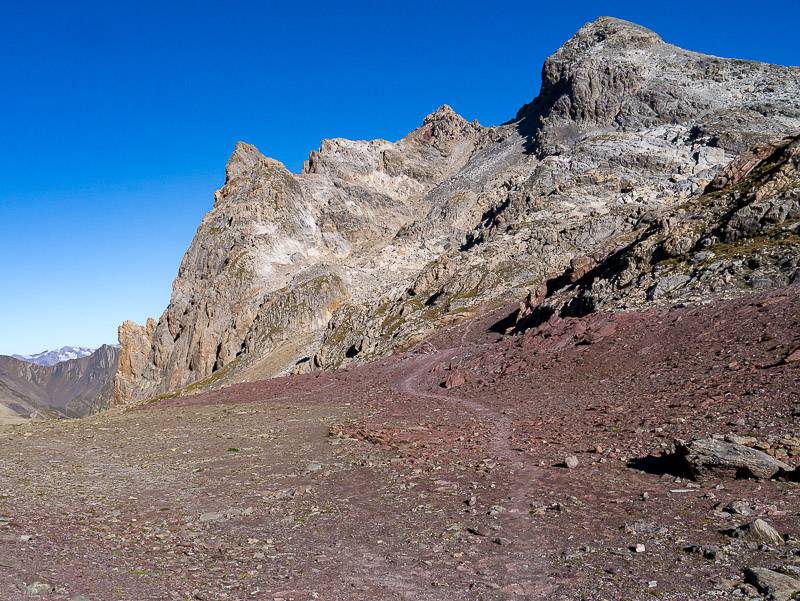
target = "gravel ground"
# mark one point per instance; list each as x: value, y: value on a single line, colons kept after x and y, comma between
x: 379, y: 482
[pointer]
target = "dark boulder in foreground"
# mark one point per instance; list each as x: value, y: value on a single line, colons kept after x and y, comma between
x: 777, y: 586
x: 707, y: 457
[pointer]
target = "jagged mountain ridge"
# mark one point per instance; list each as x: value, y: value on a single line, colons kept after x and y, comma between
x: 51, y: 357
x: 375, y: 244
x: 70, y: 388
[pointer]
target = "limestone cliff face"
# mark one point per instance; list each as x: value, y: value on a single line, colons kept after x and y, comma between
x: 742, y: 233
x: 279, y: 253
x: 375, y: 243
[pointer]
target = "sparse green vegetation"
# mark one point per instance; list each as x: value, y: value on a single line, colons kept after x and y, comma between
x: 195, y: 386
x: 749, y: 246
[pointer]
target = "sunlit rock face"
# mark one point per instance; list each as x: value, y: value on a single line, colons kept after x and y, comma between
x: 376, y: 244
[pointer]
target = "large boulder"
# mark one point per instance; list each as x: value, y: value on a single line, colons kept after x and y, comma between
x: 707, y: 457
x: 776, y: 586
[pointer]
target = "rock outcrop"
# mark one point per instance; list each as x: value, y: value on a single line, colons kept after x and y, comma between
x: 741, y: 234
x: 376, y: 244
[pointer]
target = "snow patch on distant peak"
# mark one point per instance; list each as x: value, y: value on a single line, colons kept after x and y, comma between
x: 65, y: 353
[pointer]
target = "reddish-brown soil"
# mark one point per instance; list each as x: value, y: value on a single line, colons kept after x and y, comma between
x: 378, y: 482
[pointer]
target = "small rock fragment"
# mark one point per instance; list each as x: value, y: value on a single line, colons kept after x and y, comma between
x: 793, y: 357
x: 747, y: 441
x: 708, y: 552
x: 759, y: 531
x: 739, y: 508
x: 454, y: 380
x: 38, y: 587
x: 571, y: 462
x: 211, y: 517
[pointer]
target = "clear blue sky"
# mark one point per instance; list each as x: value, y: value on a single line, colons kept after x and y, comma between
x: 116, y: 118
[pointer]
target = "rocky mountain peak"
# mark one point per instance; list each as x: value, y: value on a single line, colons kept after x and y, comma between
x: 606, y: 33
x: 443, y: 113
x: 245, y: 165
x: 243, y: 159
x: 376, y: 244
x: 445, y: 130
x: 620, y: 76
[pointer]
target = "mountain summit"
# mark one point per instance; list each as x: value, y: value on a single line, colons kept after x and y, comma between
x: 618, y: 75
x: 65, y: 353
x: 377, y: 244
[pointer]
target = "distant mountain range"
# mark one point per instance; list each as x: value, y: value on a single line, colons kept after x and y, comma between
x: 65, y: 353
x: 70, y: 388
